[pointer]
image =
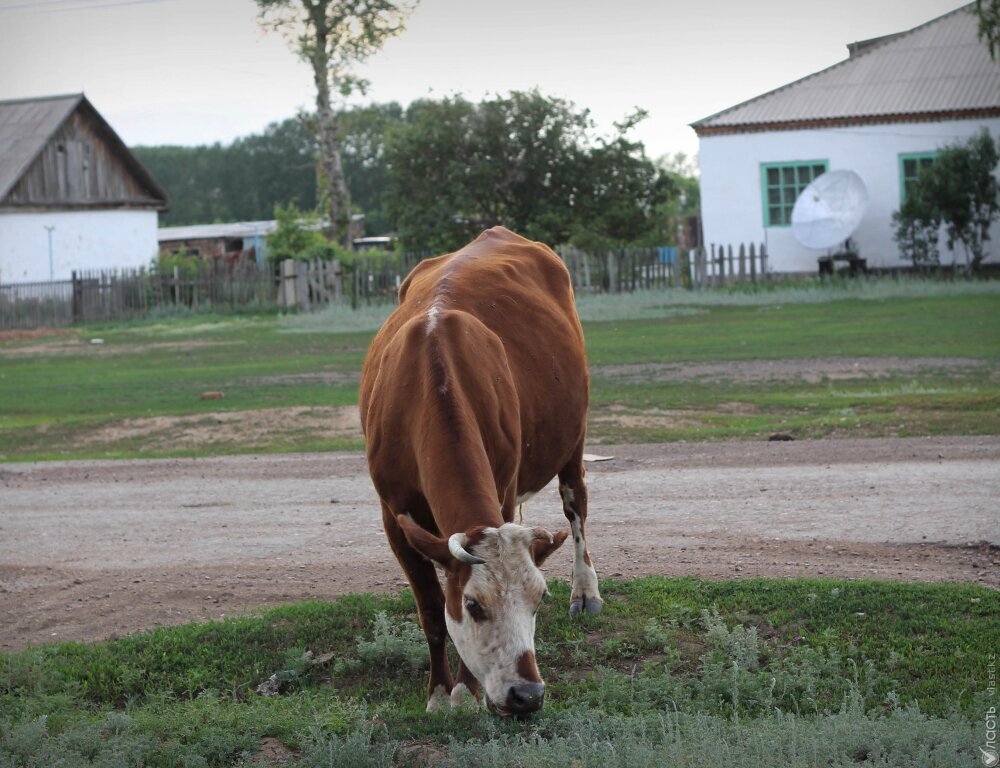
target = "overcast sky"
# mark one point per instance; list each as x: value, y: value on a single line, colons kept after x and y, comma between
x: 200, y: 71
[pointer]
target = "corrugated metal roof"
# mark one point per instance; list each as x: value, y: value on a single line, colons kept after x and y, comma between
x: 25, y: 127
x: 211, y: 231
x: 939, y: 67
x: 229, y: 229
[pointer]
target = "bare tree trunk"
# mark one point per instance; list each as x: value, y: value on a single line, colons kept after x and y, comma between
x: 333, y: 187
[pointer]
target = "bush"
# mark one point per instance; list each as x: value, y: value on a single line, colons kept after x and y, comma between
x: 298, y: 236
x: 957, y: 190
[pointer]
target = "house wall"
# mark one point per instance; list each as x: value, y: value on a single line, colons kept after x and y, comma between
x: 81, y: 240
x: 731, y: 193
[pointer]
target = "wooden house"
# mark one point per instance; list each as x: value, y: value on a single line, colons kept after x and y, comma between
x: 72, y: 196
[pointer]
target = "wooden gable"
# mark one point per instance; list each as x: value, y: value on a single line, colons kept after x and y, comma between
x: 84, y: 164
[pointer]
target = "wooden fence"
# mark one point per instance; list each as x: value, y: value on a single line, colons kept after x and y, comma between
x: 367, y: 280
x: 123, y: 294
x: 104, y: 295
x: 632, y: 269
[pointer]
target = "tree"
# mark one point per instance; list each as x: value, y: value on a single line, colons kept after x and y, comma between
x: 959, y: 191
x: 333, y: 36
x: 988, y: 14
x: 621, y: 190
x: 525, y: 161
x: 365, y: 130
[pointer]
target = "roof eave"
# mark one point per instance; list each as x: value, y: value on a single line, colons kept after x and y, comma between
x: 837, y: 122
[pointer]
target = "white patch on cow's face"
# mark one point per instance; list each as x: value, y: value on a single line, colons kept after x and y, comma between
x: 498, y: 608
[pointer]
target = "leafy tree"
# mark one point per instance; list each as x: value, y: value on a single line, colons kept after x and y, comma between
x: 241, y: 181
x: 297, y: 236
x: 333, y: 36
x: 278, y: 165
x: 364, y: 143
x: 988, y: 14
x: 959, y: 191
x: 622, y: 190
x: 526, y: 161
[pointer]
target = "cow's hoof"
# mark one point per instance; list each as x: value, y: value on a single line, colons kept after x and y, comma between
x: 461, y: 697
x: 591, y: 605
x: 438, y: 699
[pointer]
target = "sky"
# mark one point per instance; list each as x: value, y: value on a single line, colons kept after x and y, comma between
x: 203, y: 71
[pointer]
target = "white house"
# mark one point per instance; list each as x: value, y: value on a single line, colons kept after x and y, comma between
x: 72, y: 196
x: 881, y: 112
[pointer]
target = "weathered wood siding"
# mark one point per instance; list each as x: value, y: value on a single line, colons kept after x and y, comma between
x: 79, y: 167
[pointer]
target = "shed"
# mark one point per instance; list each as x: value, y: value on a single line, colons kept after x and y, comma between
x: 890, y: 106
x: 235, y: 241
x: 72, y: 196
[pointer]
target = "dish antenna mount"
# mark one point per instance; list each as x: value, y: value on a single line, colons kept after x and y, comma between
x: 829, y: 209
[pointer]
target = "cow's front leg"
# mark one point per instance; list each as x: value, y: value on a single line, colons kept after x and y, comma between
x: 466, y: 687
x: 585, y: 596
x: 430, y: 604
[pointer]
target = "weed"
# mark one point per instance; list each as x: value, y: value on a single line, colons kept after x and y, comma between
x: 394, y: 646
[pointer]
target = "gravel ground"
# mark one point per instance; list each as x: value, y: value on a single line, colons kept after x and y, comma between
x: 93, y: 550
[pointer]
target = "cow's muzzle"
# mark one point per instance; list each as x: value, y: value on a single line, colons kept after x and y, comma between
x: 525, y: 698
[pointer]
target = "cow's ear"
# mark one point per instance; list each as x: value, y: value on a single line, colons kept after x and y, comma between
x: 426, y: 543
x: 542, y: 548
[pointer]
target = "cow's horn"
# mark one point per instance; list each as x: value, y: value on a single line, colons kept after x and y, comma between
x: 540, y: 534
x: 456, y: 545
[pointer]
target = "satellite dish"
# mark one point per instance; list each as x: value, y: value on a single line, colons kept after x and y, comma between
x: 829, y: 209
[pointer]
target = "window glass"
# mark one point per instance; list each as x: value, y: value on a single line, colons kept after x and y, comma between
x: 783, y: 183
x: 910, y: 166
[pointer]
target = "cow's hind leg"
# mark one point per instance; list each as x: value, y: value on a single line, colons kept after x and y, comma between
x: 430, y: 604
x: 585, y: 596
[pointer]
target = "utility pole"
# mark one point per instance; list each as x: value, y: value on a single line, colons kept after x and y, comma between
x: 52, y: 275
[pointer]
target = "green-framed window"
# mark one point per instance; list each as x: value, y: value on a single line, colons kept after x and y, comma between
x: 781, y: 185
x: 910, y: 164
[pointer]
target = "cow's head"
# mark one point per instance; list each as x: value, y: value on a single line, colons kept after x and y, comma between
x: 493, y: 591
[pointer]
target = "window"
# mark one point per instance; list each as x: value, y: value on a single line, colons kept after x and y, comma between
x: 782, y: 183
x: 910, y: 166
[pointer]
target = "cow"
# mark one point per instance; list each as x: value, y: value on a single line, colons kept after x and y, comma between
x: 473, y: 396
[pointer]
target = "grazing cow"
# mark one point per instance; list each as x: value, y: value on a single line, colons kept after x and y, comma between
x: 473, y: 397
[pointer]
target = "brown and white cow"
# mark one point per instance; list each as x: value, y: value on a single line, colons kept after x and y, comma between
x: 473, y: 397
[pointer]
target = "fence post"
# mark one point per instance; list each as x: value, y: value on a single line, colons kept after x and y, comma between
x: 612, y: 272
x: 753, y: 265
x: 336, y: 278
x: 763, y: 261
x: 77, y: 298
x: 286, y: 288
x: 743, y: 263
x: 682, y: 268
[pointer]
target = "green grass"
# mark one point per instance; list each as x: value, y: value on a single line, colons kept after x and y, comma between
x: 67, y: 398
x: 782, y: 673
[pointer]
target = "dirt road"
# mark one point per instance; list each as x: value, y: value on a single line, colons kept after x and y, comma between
x: 91, y: 550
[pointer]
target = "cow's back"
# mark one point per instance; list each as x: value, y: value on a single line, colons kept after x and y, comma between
x: 521, y: 291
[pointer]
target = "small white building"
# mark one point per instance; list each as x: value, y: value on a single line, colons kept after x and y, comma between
x: 72, y: 196
x: 890, y: 106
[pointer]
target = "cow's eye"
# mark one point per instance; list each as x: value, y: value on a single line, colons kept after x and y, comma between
x: 475, y: 610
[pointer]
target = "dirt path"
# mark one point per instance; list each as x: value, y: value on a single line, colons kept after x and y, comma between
x: 91, y: 550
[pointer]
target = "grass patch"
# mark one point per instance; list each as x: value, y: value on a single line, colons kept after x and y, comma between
x: 65, y: 397
x: 761, y: 672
